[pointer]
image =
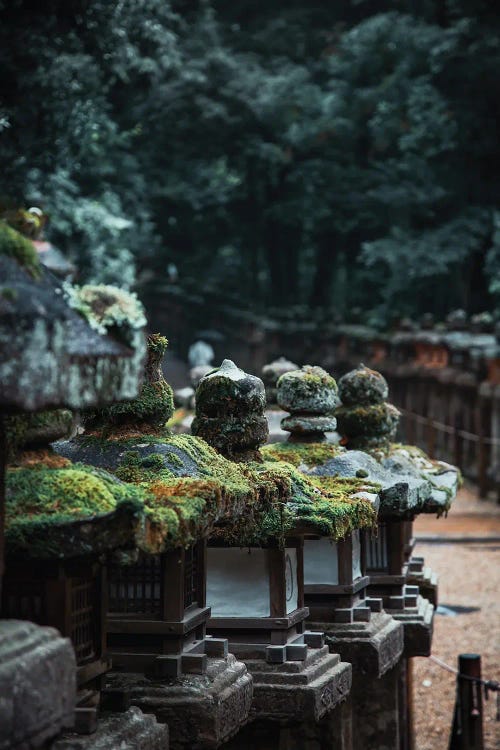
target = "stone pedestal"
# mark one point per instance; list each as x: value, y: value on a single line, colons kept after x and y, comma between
x: 418, y: 625
x: 299, y: 705
x: 424, y: 577
x: 131, y: 730
x: 37, y: 685
x: 202, y: 711
x: 376, y: 720
x: 374, y: 649
x: 299, y: 691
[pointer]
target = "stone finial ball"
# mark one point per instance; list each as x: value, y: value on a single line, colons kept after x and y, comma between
x: 311, y: 390
x: 363, y: 386
x: 229, y: 390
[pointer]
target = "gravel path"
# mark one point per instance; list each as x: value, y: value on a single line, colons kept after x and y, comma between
x: 469, y: 576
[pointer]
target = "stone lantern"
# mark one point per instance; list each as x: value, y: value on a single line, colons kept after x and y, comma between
x: 51, y: 357
x: 157, y: 606
x: 255, y: 582
x: 409, y: 484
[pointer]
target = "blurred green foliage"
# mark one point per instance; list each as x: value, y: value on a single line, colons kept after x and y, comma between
x: 332, y: 154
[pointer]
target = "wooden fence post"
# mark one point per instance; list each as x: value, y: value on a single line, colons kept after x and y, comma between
x: 467, y: 729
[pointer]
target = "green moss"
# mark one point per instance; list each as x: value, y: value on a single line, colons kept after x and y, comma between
x: 154, y: 405
x: 14, y: 245
x: 157, y: 343
x: 303, y: 504
x: 61, y: 494
x: 9, y: 294
x: 183, y: 509
x: 301, y: 454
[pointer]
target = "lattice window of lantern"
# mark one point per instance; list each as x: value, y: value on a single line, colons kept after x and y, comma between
x: 191, y: 573
x: 376, y: 550
x: 84, y: 618
x: 136, y: 588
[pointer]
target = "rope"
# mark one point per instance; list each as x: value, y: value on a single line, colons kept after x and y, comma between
x: 492, y: 685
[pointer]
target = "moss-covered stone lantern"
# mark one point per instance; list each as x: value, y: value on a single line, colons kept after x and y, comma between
x: 157, y: 607
x: 409, y: 484
x: 56, y: 351
x: 255, y: 579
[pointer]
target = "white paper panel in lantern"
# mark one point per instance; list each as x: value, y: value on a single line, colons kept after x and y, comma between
x: 356, y: 555
x: 238, y: 582
x: 291, y: 586
x: 320, y: 562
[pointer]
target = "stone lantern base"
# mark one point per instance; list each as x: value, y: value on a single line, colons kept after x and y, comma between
x: 418, y: 625
x: 37, y: 685
x: 202, y: 711
x: 375, y: 650
x: 422, y: 576
x: 131, y: 730
x: 299, y: 691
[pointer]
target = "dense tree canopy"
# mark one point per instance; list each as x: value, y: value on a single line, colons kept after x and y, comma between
x: 342, y: 156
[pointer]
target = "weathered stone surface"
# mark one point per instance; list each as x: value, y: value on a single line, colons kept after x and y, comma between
x: 372, y: 647
x: 37, y: 685
x: 49, y: 354
x: 272, y: 372
x: 299, y: 691
x: 307, y: 424
x: 230, y: 411
x: 311, y: 390
x: 418, y: 628
x: 364, y: 420
x: 400, y: 495
x: 201, y: 711
x: 44, y: 427
x: 427, y: 582
x: 110, y: 455
x: 310, y: 395
x: 131, y: 730
x: 375, y: 706
x: 443, y: 478
x: 363, y: 386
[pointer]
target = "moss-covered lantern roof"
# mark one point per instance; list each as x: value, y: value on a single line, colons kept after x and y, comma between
x: 408, y: 481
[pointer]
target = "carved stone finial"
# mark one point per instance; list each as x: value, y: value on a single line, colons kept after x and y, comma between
x: 310, y: 395
x: 154, y: 405
x: 230, y: 407
x: 365, y: 420
x: 272, y: 372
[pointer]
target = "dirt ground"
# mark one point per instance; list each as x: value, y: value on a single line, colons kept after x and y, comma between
x: 469, y: 577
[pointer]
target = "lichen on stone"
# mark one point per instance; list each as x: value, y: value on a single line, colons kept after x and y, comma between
x: 107, y: 308
x: 301, y: 454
